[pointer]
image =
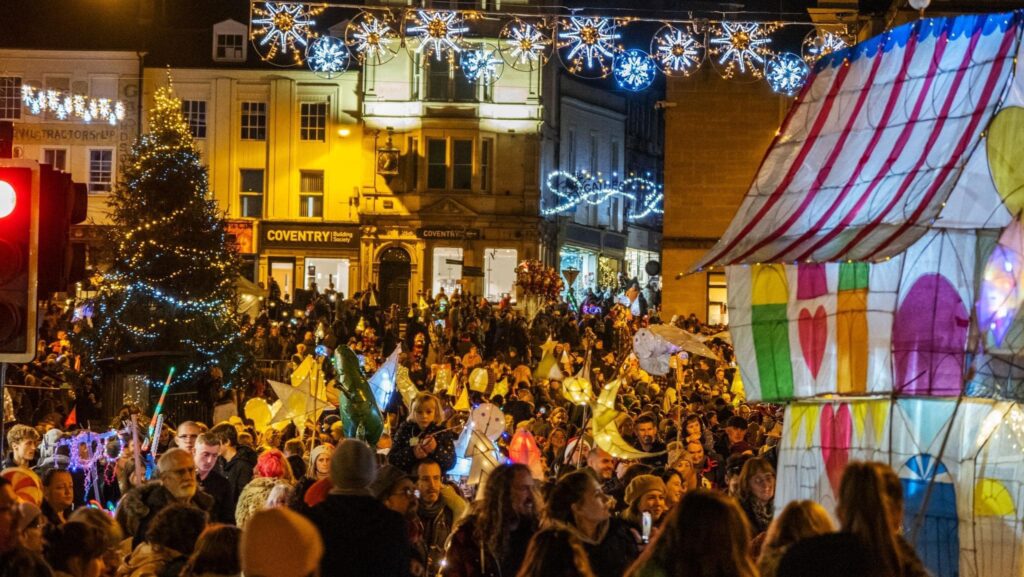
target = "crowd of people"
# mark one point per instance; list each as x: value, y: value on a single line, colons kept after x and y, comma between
x: 229, y: 498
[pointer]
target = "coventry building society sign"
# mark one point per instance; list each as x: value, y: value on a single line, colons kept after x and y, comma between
x: 312, y: 235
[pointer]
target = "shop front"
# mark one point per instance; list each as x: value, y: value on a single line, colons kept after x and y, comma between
x: 595, y: 253
x: 308, y: 256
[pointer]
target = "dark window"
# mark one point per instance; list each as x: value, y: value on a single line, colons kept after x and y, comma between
x: 485, y: 164
x: 56, y: 157
x: 195, y: 114
x: 10, y: 97
x: 230, y: 47
x: 462, y: 164
x: 437, y: 163
x: 448, y: 85
x: 252, y: 193
x: 313, y: 121
x: 254, y: 121
x: 101, y: 170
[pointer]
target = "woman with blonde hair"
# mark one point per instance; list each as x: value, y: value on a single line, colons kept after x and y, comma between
x: 707, y: 534
x: 799, y: 520
x: 422, y: 435
x: 756, y: 493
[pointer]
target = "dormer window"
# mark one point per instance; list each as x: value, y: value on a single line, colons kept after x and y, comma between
x: 229, y: 43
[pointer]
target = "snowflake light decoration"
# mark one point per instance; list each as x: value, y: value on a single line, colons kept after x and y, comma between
x: 678, y: 51
x: 821, y: 43
x: 437, y: 32
x: 741, y: 47
x: 786, y: 73
x: 279, y: 27
x: 482, y: 64
x: 327, y: 56
x: 371, y: 39
x: 523, y: 45
x: 634, y: 70
x: 571, y: 190
x: 64, y: 105
x: 589, y: 44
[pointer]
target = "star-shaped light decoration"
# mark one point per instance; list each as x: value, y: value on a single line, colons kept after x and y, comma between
x: 371, y: 39
x: 523, y: 45
x: 327, y: 56
x: 437, y: 33
x: 634, y: 70
x: 677, y: 51
x: 821, y: 43
x: 283, y: 28
x: 787, y: 73
x: 482, y: 64
x: 588, y: 45
x: 741, y: 47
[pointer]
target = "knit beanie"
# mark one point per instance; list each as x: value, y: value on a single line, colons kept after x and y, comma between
x: 313, y: 456
x: 387, y: 478
x: 262, y: 540
x: 353, y: 468
x: 640, y: 486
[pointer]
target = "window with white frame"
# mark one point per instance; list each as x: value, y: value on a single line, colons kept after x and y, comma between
x: 311, y: 193
x: 101, y: 170
x: 10, y: 97
x: 194, y: 112
x: 313, y: 121
x: 251, y: 195
x: 230, y: 48
x: 56, y: 157
x: 254, y: 121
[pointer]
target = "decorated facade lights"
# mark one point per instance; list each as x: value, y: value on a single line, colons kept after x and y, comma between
x: 588, y: 45
x: 283, y: 28
x: 65, y: 105
x: 786, y: 73
x: 634, y: 70
x: 677, y: 50
x: 436, y: 33
x: 820, y: 43
x: 524, y: 45
x: 571, y: 190
x: 328, y: 56
x: 482, y: 63
x: 741, y: 47
x: 372, y: 39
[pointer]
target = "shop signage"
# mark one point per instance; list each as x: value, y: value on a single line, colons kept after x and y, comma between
x: 308, y: 235
x: 240, y: 236
x: 448, y: 233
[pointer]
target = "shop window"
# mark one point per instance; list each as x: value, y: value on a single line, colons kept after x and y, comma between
x: 437, y: 163
x: 499, y: 273
x: 313, y: 121
x: 10, y: 97
x: 462, y: 164
x: 251, y: 200
x: 717, y: 299
x: 194, y: 112
x: 447, y: 268
x: 311, y: 193
x: 327, y: 272
x: 101, y: 169
x: 254, y: 121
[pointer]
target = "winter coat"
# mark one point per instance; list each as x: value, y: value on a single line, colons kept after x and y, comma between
x: 239, y: 471
x: 254, y: 498
x: 466, y: 557
x: 403, y: 457
x: 149, y: 560
x: 362, y: 538
x: 217, y: 486
x: 138, y: 507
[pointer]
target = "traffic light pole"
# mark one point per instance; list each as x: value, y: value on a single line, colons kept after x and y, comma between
x: 3, y: 421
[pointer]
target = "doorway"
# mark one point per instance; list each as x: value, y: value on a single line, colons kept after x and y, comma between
x: 395, y: 272
x: 282, y: 270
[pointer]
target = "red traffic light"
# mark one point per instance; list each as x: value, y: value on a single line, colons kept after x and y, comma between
x: 18, y: 201
x: 8, y: 199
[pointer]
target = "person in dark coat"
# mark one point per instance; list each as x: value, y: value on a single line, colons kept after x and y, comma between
x: 362, y: 537
x: 211, y: 482
x: 422, y: 436
x: 237, y: 462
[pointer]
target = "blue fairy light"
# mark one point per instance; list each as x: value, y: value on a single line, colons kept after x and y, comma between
x: 633, y: 70
x: 482, y: 64
x: 328, y: 56
x: 787, y: 73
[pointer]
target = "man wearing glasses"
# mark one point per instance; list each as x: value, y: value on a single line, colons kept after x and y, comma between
x: 188, y: 432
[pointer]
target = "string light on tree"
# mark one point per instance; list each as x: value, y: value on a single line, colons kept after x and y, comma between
x: 787, y: 73
x: 634, y: 70
x: 372, y: 39
x: 64, y: 105
x: 482, y: 64
x: 571, y: 190
x: 820, y: 43
x: 283, y: 28
x: 677, y: 50
x: 328, y: 56
x: 588, y: 45
x: 524, y: 45
x: 436, y: 33
x: 741, y: 47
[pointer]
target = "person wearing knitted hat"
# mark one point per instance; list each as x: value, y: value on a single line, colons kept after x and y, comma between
x: 262, y: 540
x: 319, y: 469
x: 361, y: 536
x: 645, y: 494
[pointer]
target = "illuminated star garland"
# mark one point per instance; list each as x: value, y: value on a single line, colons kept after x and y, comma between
x: 571, y: 190
x: 371, y: 39
x: 787, y: 73
x: 589, y: 43
x: 283, y: 27
x: 742, y: 47
x: 64, y: 105
x: 523, y: 45
x: 678, y: 51
x: 634, y: 70
x: 438, y: 32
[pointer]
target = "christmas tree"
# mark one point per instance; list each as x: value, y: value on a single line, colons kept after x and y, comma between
x: 171, y: 285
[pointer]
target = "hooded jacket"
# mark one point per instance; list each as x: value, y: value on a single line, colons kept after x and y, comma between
x: 138, y: 507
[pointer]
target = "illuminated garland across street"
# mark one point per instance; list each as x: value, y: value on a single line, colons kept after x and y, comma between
x: 63, y: 106
x: 586, y: 44
x: 572, y: 190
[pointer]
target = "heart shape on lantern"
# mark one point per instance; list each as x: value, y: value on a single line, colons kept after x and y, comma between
x: 813, y: 337
x: 836, y: 432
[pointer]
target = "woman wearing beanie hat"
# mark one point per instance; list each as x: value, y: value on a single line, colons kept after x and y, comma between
x: 319, y: 469
x: 645, y: 494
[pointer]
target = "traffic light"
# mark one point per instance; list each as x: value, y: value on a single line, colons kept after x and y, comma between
x: 19, y: 218
x: 62, y: 203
